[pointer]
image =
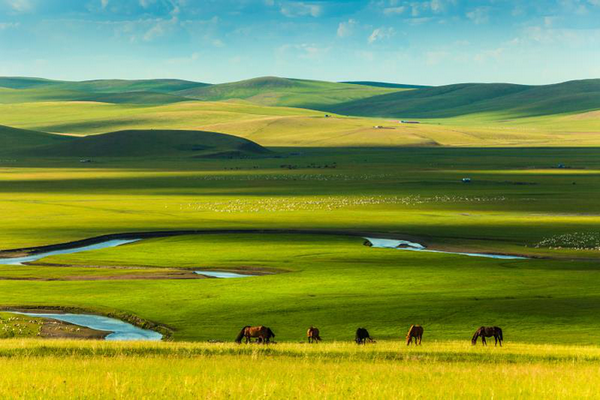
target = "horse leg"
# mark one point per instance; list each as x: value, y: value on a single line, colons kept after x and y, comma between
x: 309, y: 340
x: 495, y: 341
x: 420, y: 339
x: 483, y: 341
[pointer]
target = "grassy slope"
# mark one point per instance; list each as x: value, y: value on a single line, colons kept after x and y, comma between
x: 12, y: 139
x: 463, y: 99
x: 286, y: 92
x: 386, y: 85
x: 153, y: 91
x: 280, y: 126
x: 69, y: 369
x: 157, y: 143
x: 101, y: 85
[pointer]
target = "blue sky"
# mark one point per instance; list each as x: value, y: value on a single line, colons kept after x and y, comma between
x: 422, y: 42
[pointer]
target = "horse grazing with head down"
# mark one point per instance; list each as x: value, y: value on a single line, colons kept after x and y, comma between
x: 262, y: 334
x: 313, y: 335
x: 416, y: 332
x: 362, y: 335
x: 488, y: 331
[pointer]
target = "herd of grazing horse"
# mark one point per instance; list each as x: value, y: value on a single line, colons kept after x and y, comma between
x: 263, y: 335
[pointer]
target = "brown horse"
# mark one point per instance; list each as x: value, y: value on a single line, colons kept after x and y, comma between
x: 313, y: 335
x: 488, y: 331
x: 415, y: 331
x: 262, y: 334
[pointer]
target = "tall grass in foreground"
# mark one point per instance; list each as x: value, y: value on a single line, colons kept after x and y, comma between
x: 36, y: 368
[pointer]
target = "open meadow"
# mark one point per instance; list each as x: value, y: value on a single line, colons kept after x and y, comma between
x: 287, y: 197
x: 67, y: 369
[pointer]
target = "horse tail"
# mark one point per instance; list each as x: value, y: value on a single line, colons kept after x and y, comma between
x: 270, y: 332
x: 240, y: 335
x: 499, y: 330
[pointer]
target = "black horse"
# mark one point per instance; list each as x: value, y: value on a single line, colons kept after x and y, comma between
x: 362, y: 335
x: 488, y: 331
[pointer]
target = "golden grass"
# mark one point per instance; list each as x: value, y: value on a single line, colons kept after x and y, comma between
x: 61, y: 369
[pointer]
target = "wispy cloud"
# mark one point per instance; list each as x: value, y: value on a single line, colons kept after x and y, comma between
x: 380, y: 34
x: 20, y: 5
x: 480, y: 15
x: 346, y: 29
x: 394, y: 10
x: 301, y: 9
x: 8, y: 25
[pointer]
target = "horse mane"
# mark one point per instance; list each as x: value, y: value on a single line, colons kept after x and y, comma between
x: 240, y: 335
x: 410, y: 331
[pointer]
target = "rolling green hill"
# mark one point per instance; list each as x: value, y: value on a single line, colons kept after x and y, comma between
x: 472, y: 98
x: 157, y: 143
x: 386, y: 85
x: 12, y: 139
x: 45, y: 94
x: 116, y: 91
x: 18, y: 82
x: 102, y: 85
x: 274, y: 91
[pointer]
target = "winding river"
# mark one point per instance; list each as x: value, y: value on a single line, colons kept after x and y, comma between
x: 411, y: 246
x: 120, y: 330
x: 39, y: 256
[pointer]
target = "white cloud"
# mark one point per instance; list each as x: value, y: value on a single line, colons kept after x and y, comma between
x: 346, y: 29
x: 380, y: 34
x: 394, y: 10
x: 301, y: 9
x: 480, y: 15
x: 103, y: 3
x: 20, y: 5
x: 8, y: 25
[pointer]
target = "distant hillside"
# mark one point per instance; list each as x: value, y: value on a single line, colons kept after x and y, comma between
x: 470, y: 98
x: 386, y: 85
x: 25, y: 83
x: 12, y: 139
x: 155, y: 143
x: 121, y: 85
x: 14, y: 96
x: 150, y: 91
x: 273, y: 91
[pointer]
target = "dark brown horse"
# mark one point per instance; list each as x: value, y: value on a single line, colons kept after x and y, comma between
x: 313, y: 335
x: 362, y: 335
x: 415, y: 331
x: 262, y: 334
x: 488, y: 331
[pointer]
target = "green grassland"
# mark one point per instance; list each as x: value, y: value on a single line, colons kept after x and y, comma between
x: 517, y: 199
x: 273, y: 91
x: 68, y: 369
x: 334, y: 283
